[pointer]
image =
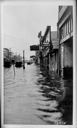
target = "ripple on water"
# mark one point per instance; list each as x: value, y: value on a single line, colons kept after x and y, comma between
x: 32, y: 96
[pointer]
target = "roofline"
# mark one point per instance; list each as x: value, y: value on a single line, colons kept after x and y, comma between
x: 46, y: 32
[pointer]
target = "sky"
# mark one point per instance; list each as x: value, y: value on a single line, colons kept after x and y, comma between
x: 21, y: 23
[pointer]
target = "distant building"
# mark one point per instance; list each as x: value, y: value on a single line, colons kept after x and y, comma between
x: 18, y: 58
x: 37, y: 53
x: 6, y: 53
x: 7, y: 57
x: 65, y: 34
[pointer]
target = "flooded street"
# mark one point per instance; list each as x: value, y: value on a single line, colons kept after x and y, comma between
x: 32, y: 96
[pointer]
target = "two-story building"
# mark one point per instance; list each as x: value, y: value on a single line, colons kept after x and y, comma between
x: 65, y: 34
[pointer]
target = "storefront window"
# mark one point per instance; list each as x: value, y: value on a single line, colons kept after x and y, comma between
x: 62, y: 32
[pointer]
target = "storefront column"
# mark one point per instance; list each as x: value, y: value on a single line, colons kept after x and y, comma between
x: 62, y: 60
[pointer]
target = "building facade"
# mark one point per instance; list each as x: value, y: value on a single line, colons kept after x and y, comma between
x: 53, y: 61
x: 45, y: 46
x: 65, y: 34
x: 49, y: 50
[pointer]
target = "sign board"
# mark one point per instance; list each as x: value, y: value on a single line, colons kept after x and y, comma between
x: 34, y: 47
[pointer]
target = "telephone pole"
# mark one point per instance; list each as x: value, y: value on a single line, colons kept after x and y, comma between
x: 23, y: 59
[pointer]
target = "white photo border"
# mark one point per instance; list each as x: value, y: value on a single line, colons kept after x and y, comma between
x: 58, y: 2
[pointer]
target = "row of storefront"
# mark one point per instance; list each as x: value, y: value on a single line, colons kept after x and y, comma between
x: 49, y: 45
x: 55, y: 51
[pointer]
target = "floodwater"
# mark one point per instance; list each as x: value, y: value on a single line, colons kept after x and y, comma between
x: 32, y: 96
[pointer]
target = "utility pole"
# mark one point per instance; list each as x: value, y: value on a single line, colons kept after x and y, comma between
x: 23, y: 59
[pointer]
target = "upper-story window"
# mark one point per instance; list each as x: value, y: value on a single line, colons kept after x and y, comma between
x: 67, y: 28
x: 71, y: 24
x: 64, y: 30
x: 61, y: 33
